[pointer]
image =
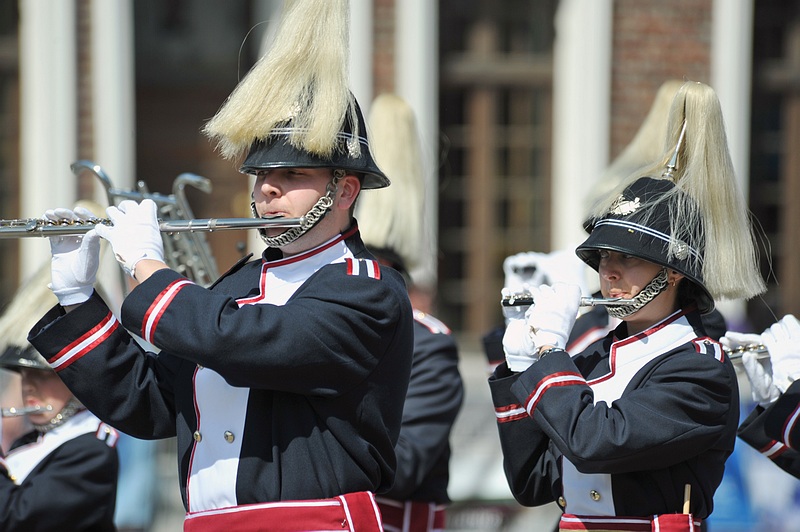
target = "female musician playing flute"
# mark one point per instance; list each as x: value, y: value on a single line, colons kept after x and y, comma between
x: 621, y: 432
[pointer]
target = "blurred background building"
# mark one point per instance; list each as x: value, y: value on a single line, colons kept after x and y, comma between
x: 522, y: 104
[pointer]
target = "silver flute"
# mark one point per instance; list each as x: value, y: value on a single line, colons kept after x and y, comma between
x: 760, y: 350
x: 521, y: 299
x: 27, y: 227
x: 25, y: 411
x: 515, y: 304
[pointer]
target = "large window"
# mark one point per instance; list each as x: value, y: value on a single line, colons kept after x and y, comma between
x: 190, y: 54
x: 495, y: 114
x: 775, y: 157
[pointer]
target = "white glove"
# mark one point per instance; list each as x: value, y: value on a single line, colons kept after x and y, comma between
x: 75, y: 259
x: 135, y: 234
x: 758, y: 370
x: 553, y: 313
x: 782, y: 340
x: 518, y: 345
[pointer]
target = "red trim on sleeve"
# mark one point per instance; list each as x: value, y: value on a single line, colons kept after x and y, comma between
x: 85, y: 343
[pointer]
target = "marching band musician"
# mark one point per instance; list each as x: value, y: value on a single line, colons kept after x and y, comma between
x: 284, y: 381
x: 773, y: 427
x: 531, y: 268
x: 393, y: 221
x: 62, y: 474
x: 633, y: 432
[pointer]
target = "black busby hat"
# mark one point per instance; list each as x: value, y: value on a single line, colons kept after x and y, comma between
x: 640, y: 223
x: 294, y: 107
x: 351, y: 153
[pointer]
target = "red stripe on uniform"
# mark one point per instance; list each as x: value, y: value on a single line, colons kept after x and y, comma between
x: 551, y: 381
x: 88, y: 341
x: 159, y: 306
x: 773, y: 449
x: 514, y: 412
x: 376, y: 269
x: 789, y: 427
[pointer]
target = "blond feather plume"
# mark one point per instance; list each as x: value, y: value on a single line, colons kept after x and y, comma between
x: 392, y: 218
x: 302, y: 79
x: 711, y: 195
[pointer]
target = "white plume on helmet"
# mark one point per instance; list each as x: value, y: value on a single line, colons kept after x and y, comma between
x: 393, y: 218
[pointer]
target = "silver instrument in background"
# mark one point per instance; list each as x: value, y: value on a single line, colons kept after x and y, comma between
x: 189, y: 254
x: 25, y: 411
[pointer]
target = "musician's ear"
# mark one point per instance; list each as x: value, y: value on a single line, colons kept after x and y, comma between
x: 673, y: 277
x: 349, y: 187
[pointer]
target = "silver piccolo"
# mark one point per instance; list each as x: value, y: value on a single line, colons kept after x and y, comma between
x: 522, y: 299
x: 26, y: 411
x: 39, y: 227
x: 736, y: 354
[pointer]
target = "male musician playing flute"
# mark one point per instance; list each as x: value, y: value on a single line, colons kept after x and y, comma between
x: 284, y: 381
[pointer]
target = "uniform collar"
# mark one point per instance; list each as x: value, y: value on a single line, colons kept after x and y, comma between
x: 671, y: 332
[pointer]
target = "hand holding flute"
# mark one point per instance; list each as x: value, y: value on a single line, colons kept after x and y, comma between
x: 769, y: 375
x: 758, y: 368
x: 545, y: 324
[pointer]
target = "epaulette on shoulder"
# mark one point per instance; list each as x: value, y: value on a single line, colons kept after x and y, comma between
x: 710, y: 347
x: 107, y: 434
x: 363, y: 267
x: 431, y: 323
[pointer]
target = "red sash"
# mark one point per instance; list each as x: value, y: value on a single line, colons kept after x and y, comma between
x: 355, y: 512
x: 410, y: 516
x: 660, y: 523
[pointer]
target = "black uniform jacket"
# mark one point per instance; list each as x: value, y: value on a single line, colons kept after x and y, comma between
x: 283, y: 381
x: 775, y: 431
x: 435, y: 394
x: 622, y: 427
x: 65, y: 480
